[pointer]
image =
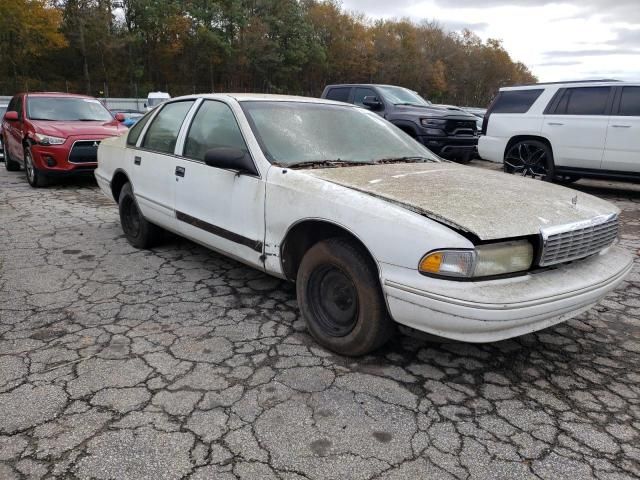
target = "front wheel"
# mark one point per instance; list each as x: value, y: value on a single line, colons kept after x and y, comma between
x: 35, y: 178
x: 530, y: 158
x: 340, y: 298
x: 139, y: 232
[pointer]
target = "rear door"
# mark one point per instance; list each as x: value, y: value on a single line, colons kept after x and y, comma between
x: 152, y: 163
x: 577, y: 126
x: 214, y: 206
x: 622, y: 150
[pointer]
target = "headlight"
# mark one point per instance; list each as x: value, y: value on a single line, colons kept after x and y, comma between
x: 485, y: 261
x: 49, y: 140
x: 433, y: 122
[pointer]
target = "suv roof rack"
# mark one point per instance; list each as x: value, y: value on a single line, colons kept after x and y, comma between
x: 567, y: 81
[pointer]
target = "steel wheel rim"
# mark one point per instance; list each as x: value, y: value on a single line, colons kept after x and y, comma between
x: 29, y: 167
x: 333, y: 299
x: 527, y: 160
x: 130, y: 218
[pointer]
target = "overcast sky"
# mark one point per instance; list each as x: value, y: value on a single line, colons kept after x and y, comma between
x: 573, y: 39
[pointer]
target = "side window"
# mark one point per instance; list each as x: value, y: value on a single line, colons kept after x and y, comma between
x: 163, y: 132
x: 136, y: 130
x: 630, y: 102
x: 584, y: 101
x: 360, y: 93
x: 213, y: 126
x: 516, y: 101
x: 339, y: 94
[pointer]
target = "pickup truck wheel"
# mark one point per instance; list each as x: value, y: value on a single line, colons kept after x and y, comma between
x: 35, y: 178
x: 139, y: 232
x: 9, y: 164
x: 340, y: 298
x: 530, y: 158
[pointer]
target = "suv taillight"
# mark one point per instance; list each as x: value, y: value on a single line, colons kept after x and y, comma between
x: 485, y: 120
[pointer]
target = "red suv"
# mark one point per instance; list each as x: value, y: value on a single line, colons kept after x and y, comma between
x: 55, y: 134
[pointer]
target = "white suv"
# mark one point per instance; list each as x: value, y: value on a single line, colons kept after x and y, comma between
x: 565, y: 131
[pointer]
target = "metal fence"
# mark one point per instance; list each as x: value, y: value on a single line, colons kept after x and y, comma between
x: 110, y: 102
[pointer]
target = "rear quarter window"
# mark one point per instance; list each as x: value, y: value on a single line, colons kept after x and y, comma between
x: 515, y: 101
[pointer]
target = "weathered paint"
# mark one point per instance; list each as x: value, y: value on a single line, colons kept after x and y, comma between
x: 491, y: 205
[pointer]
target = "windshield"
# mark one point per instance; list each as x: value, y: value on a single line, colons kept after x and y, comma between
x: 402, y: 96
x: 296, y: 132
x: 67, y: 109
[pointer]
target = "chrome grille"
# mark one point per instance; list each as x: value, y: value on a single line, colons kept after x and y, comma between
x: 565, y: 243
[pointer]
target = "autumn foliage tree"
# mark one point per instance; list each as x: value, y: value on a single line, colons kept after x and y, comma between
x: 128, y: 47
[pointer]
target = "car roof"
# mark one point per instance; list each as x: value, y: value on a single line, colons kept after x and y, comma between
x: 55, y: 94
x: 365, y: 85
x: 577, y: 83
x: 262, y: 97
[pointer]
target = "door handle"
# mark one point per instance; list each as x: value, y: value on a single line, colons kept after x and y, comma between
x: 555, y: 124
x: 180, y: 171
x: 137, y: 160
x: 620, y: 126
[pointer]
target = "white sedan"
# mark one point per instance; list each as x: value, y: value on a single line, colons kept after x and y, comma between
x: 370, y: 225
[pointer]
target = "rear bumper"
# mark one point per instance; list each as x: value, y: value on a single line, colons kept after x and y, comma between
x: 496, y: 310
x: 492, y: 149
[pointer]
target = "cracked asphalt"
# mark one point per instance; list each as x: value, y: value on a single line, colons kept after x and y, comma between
x: 179, y: 363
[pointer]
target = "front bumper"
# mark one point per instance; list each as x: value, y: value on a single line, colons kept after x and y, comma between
x: 488, y: 311
x: 451, y: 147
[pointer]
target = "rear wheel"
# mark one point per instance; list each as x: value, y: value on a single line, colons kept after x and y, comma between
x: 530, y: 158
x: 35, y: 178
x: 340, y: 298
x: 9, y: 164
x: 139, y: 232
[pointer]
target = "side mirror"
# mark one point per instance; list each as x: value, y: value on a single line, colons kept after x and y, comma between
x: 372, y: 102
x: 11, y: 116
x: 145, y: 104
x: 120, y: 117
x: 230, y: 159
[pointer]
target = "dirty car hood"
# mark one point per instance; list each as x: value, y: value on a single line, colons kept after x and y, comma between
x: 489, y: 204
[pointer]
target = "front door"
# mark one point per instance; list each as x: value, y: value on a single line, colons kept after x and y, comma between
x: 622, y: 151
x: 214, y: 206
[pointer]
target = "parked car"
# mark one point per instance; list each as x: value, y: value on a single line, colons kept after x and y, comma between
x: 370, y: 225
x: 128, y: 117
x: 3, y: 109
x: 479, y: 113
x: 154, y: 99
x: 565, y: 131
x: 55, y: 134
x: 448, y: 132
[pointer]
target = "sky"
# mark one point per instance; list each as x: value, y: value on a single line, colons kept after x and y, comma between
x: 559, y: 40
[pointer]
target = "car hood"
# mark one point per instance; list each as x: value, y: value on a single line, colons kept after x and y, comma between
x: 68, y: 129
x: 490, y: 205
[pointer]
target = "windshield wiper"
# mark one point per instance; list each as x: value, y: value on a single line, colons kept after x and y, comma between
x: 325, y: 163
x: 416, y: 159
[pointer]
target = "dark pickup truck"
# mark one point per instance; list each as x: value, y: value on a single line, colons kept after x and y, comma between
x: 446, y: 131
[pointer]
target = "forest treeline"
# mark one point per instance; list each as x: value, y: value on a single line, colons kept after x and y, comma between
x: 129, y: 47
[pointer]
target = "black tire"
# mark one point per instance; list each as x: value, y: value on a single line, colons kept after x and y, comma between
x: 139, y: 232
x: 9, y: 164
x: 34, y: 176
x: 530, y: 158
x: 341, y: 300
